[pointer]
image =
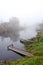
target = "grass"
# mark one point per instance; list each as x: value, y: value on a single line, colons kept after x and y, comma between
x: 36, y: 60
x: 36, y: 48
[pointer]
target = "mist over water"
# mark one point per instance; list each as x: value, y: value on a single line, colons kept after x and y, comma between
x: 10, y: 29
x: 26, y: 15
x: 10, y: 33
x: 13, y: 30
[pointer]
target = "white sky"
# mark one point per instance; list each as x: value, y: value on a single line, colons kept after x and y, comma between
x: 28, y: 11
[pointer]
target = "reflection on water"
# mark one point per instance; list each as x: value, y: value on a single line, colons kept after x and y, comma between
x: 5, y: 41
x: 4, y: 53
x: 28, y: 33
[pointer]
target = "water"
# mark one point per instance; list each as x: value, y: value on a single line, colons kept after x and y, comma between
x: 4, y: 53
x: 5, y: 41
x: 28, y: 33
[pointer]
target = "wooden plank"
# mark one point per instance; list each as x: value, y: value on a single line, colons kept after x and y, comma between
x: 20, y: 51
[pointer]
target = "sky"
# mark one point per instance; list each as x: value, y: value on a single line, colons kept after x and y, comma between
x: 28, y: 11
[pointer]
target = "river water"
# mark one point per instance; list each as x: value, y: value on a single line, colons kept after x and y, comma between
x: 5, y: 41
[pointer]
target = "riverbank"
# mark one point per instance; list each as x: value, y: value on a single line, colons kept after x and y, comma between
x: 36, y: 48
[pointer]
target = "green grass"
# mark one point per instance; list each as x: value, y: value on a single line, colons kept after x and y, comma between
x: 28, y: 61
x: 36, y: 48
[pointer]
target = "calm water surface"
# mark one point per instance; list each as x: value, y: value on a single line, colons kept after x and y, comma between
x: 4, y: 42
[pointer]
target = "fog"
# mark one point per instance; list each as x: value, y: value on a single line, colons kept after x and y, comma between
x: 10, y: 29
x: 19, y: 19
x: 27, y: 12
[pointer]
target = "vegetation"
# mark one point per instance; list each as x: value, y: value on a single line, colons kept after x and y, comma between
x: 36, y: 48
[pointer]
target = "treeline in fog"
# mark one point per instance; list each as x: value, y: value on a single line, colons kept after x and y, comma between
x: 10, y: 29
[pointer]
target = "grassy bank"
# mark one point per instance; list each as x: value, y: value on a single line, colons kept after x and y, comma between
x: 36, y: 48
